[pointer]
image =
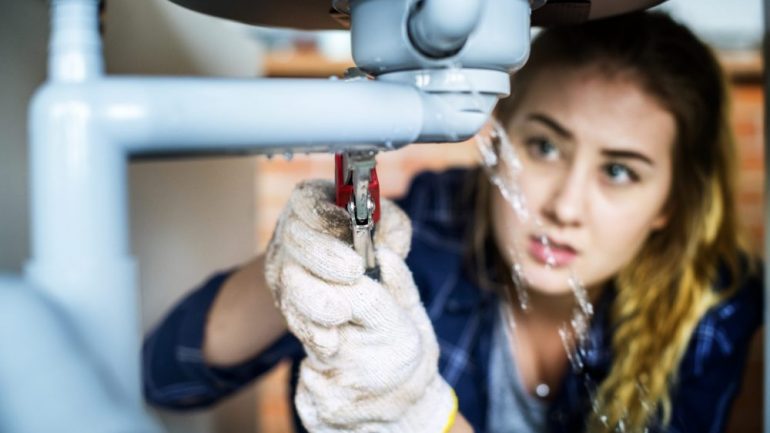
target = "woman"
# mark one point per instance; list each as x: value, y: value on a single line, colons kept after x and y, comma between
x: 627, y: 173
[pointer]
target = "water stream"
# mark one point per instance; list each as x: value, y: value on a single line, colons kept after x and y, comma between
x: 504, y: 170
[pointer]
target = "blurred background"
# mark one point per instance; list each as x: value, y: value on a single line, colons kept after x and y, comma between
x: 190, y: 218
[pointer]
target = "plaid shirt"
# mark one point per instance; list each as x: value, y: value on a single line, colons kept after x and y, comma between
x: 175, y: 375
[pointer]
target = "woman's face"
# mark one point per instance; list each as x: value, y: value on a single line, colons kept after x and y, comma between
x: 596, y: 157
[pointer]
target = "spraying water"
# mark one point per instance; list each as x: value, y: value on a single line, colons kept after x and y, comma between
x: 504, y: 169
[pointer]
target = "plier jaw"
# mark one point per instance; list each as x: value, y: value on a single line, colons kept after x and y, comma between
x: 358, y: 191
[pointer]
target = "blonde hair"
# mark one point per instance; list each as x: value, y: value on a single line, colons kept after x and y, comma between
x: 668, y: 287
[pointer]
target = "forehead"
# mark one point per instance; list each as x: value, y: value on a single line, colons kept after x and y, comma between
x: 600, y: 110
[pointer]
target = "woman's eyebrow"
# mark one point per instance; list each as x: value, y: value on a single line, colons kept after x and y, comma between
x: 551, y: 123
x: 627, y: 154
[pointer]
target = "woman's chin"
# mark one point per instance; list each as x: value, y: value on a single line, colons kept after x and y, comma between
x: 548, y: 280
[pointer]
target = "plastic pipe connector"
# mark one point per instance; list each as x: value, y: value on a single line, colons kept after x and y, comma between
x: 440, y: 28
x: 75, y: 48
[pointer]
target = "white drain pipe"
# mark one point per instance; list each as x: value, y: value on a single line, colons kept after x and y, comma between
x: 85, y: 126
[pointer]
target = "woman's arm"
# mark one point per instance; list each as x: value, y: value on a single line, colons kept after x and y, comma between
x: 243, y: 320
x: 219, y: 337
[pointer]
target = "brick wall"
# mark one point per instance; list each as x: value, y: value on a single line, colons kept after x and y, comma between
x: 747, y: 119
x: 275, y: 179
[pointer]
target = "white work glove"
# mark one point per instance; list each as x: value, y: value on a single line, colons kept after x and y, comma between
x: 372, y: 355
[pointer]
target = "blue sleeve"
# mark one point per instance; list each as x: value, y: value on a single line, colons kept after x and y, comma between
x: 439, y: 213
x: 439, y: 197
x: 174, y: 373
x: 712, y: 369
x: 415, y: 194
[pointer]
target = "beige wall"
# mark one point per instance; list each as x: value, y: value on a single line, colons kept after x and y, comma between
x: 143, y: 37
x: 23, y: 34
x: 159, y: 37
x: 188, y: 218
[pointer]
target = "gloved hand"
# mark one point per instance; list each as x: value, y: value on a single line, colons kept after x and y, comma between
x: 372, y: 355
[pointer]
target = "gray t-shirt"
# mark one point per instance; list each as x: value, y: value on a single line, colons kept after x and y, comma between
x: 511, y: 408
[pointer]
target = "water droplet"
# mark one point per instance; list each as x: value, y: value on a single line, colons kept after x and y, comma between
x: 581, y: 295
x: 288, y: 155
x: 621, y: 428
x: 569, y: 347
x: 542, y: 390
x: 503, y: 168
x: 422, y: 79
x: 334, y: 78
x: 520, y: 284
x: 579, y: 325
x: 488, y: 155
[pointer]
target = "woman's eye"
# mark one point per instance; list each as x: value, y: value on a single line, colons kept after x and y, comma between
x: 542, y: 148
x: 620, y: 174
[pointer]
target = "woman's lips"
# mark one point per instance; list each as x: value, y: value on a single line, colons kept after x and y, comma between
x: 551, y: 253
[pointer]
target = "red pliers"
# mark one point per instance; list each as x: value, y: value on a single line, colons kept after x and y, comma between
x: 358, y: 191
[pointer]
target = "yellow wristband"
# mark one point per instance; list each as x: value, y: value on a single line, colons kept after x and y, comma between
x: 453, y: 414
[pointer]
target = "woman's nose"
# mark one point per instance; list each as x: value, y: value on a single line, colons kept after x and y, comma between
x: 566, y: 205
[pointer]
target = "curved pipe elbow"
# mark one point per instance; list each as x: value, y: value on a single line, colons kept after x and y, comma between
x: 454, y: 117
x: 438, y: 29
x: 456, y: 103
